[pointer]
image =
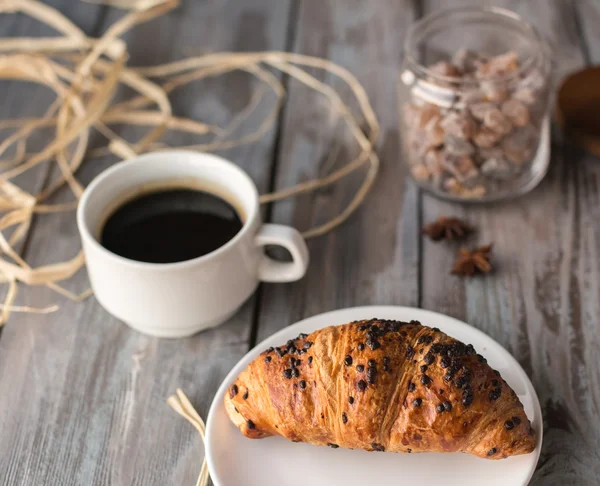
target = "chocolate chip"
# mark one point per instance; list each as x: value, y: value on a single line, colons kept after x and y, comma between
x: 386, y: 367
x: 440, y: 408
x: 492, y: 451
x: 461, y: 382
x: 436, y: 329
x: 310, y: 359
x: 373, y: 344
x: 234, y: 391
x: 412, y: 387
x: 371, y: 375
x: 302, y: 384
x: 360, y: 368
x: 350, y: 400
x: 410, y: 352
x: 495, y: 383
x: 465, y: 425
x: 437, y: 348
x: 307, y: 345
x: 425, y: 380
x: 421, y: 340
x: 344, y: 418
x: 467, y: 397
x: 417, y: 402
x: 409, y: 450
x: 281, y: 352
x: 386, y: 360
x: 361, y: 347
x: 496, y: 372
x: 269, y: 350
x: 428, y: 358
x: 444, y: 362
x: 372, y: 363
x: 250, y: 424
x: 348, y: 360
x: 295, y: 372
x: 287, y: 373
x: 516, y: 420
x: 245, y: 395
x: 447, y: 406
x: 377, y: 447
x: 362, y: 385
x: 509, y: 425
x: 268, y: 359
x: 333, y: 446
x: 423, y: 368
x: 494, y: 395
x: 302, y: 336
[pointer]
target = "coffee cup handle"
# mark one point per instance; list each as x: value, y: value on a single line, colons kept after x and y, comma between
x: 270, y: 270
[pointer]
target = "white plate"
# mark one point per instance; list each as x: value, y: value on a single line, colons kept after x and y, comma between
x: 234, y: 460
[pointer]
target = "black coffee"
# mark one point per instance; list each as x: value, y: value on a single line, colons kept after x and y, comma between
x: 170, y: 226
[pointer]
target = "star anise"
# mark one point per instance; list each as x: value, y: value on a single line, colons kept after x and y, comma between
x: 447, y: 228
x: 472, y: 262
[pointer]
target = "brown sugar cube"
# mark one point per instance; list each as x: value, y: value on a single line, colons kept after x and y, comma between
x: 459, y: 124
x: 473, y: 192
x: 471, y: 97
x: 460, y: 166
x: 452, y: 186
x: 499, y: 65
x: 494, y: 92
x: 516, y: 112
x: 479, y: 110
x: 417, y: 116
x: 526, y: 95
x: 497, y: 168
x: 434, y: 132
x: 458, y: 146
x: 518, y: 147
x: 486, y: 138
x: 497, y: 122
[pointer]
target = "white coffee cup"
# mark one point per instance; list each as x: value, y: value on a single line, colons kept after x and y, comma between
x: 182, y: 298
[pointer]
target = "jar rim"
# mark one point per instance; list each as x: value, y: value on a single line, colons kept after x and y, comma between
x: 498, y: 12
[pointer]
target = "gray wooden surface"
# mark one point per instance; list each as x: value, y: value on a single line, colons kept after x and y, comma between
x: 82, y: 397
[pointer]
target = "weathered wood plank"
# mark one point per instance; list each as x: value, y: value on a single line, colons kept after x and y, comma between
x: 541, y: 303
x: 83, y: 396
x: 373, y: 257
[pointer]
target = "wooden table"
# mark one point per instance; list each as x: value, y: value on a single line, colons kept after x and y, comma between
x: 82, y: 397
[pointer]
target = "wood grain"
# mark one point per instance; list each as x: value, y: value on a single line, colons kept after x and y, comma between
x: 83, y: 396
x: 373, y: 257
x: 542, y: 301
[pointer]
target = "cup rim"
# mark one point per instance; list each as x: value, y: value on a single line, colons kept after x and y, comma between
x: 89, y: 238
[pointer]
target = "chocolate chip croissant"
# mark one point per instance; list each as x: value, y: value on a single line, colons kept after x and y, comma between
x: 384, y: 386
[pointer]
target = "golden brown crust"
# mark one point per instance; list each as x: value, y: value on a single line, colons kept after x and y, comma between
x: 381, y: 385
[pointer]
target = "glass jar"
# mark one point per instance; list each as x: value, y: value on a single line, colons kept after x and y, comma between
x: 474, y: 96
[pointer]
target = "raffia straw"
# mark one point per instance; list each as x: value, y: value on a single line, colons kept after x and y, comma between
x: 182, y: 405
x: 85, y: 73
